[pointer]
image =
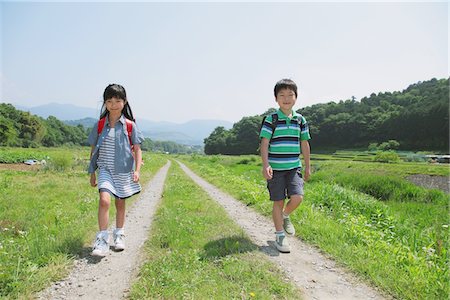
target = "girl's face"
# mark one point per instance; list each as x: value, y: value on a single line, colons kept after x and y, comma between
x: 115, y: 105
x: 286, y: 99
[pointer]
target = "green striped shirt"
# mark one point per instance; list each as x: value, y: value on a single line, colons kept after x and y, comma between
x: 284, y: 146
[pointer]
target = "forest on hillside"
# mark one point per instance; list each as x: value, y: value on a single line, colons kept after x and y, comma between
x: 416, y: 118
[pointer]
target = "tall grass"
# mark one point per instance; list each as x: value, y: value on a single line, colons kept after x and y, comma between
x: 196, y: 252
x: 46, y: 218
x: 399, y: 244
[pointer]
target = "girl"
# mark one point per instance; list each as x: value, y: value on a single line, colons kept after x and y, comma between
x: 115, y: 142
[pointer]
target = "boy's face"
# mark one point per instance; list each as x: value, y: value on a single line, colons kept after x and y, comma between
x: 286, y: 99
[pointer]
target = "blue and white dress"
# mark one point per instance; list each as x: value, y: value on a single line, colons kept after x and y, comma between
x: 121, y: 185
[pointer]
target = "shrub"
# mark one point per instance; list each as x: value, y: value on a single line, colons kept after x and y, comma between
x: 60, y: 162
x: 386, y: 157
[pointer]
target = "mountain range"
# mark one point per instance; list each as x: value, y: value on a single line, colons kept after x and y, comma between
x: 192, y: 132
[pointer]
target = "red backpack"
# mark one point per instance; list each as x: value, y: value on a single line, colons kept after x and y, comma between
x: 101, y: 124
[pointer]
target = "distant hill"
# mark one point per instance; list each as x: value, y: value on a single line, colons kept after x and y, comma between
x: 190, y: 133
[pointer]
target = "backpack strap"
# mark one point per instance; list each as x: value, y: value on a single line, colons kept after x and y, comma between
x: 273, y: 125
x: 100, y: 125
x: 129, y: 124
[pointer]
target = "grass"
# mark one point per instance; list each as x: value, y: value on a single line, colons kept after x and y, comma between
x: 47, y: 217
x: 196, y: 252
x: 400, y: 244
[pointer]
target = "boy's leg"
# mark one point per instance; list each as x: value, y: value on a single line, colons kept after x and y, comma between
x: 120, y: 212
x: 295, y: 193
x: 277, y: 214
x: 103, y: 208
x: 293, y: 203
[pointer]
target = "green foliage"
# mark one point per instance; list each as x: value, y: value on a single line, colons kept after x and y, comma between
x: 22, y: 129
x: 414, y: 119
x: 169, y: 147
x: 386, y: 157
x: 241, y: 139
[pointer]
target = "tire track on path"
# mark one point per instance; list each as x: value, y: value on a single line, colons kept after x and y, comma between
x: 110, y: 277
x: 316, y: 275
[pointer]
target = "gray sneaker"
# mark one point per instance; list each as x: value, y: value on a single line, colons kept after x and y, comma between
x: 288, y: 227
x: 119, y: 236
x: 282, y: 244
x: 101, y: 247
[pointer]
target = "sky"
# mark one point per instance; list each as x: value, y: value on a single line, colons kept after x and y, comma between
x: 180, y: 61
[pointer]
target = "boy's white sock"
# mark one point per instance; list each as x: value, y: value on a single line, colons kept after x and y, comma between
x: 118, y: 230
x: 285, y: 216
x: 279, y: 232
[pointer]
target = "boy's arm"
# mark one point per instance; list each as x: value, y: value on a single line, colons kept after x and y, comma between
x: 266, y: 168
x: 306, y: 151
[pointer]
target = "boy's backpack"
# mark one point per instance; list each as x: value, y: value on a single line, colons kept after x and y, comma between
x: 275, y: 123
x: 101, y: 124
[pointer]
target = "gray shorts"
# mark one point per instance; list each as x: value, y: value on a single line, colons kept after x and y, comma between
x: 285, y: 184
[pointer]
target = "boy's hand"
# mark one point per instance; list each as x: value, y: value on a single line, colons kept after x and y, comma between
x: 267, y: 172
x: 136, y: 175
x: 307, y: 173
x: 93, y: 180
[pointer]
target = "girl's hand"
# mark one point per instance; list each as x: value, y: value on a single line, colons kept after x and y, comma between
x: 267, y: 172
x: 93, y: 180
x: 136, y: 176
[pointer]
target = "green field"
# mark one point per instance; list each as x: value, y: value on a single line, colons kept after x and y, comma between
x: 364, y: 214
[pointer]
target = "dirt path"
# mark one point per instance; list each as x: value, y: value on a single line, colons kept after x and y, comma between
x: 317, y: 276
x: 110, y: 277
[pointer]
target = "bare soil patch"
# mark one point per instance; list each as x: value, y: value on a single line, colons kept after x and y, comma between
x: 431, y: 182
x: 19, y: 167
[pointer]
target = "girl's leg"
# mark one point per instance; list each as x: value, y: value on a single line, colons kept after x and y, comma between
x: 103, y: 210
x: 277, y: 214
x: 120, y: 213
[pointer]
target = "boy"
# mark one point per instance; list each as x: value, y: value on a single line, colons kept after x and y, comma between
x: 283, y: 134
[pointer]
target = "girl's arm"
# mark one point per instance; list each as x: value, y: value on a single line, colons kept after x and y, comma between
x: 93, y: 179
x: 138, y: 162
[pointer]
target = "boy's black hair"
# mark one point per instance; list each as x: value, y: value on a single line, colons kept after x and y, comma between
x: 116, y: 91
x: 285, y: 84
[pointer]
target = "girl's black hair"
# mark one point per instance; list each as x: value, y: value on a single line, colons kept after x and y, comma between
x: 285, y: 84
x: 117, y: 91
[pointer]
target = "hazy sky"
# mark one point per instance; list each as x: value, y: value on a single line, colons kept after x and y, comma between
x: 183, y: 61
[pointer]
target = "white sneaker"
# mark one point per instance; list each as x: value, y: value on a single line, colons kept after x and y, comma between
x: 282, y: 244
x: 119, y: 237
x: 101, y: 247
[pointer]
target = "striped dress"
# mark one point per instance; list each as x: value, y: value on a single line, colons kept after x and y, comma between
x: 121, y: 185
